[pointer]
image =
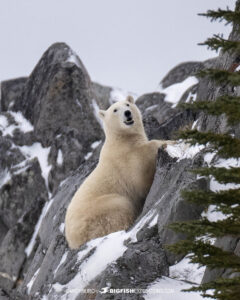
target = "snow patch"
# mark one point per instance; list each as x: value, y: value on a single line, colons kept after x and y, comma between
x: 175, y: 92
x: 183, y: 150
x: 32, y: 242
x: 208, y: 157
x: 3, y: 122
x: 118, y: 94
x: 107, y: 250
x: 96, y: 112
x: 23, y: 124
x: 29, y: 285
x: 60, y: 157
x: 154, y: 221
x: 194, y: 125
x: 36, y: 150
x: 79, y: 103
x: 171, y: 289
x: 212, y: 215
x: 73, y: 58
x: 185, y: 270
x: 5, y: 176
x: 63, y: 259
x: 191, y: 97
x: 88, y: 155
x: 152, y: 107
x: 95, y: 144
x: 62, y: 227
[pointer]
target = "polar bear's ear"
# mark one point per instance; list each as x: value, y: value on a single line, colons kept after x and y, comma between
x: 130, y: 99
x: 101, y: 113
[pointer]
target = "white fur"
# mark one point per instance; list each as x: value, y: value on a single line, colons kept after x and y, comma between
x: 112, y: 196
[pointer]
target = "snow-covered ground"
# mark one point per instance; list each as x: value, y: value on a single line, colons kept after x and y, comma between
x: 167, y: 288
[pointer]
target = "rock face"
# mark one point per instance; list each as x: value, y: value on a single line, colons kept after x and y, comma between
x: 50, y: 140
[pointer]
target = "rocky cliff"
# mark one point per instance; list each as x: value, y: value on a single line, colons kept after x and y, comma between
x: 50, y: 138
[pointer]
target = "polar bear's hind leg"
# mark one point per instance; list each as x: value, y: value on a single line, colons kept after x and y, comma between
x: 111, y: 213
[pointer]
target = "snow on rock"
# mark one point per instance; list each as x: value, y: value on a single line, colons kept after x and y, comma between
x: 208, y: 157
x: 36, y: 150
x: 191, y: 97
x: 88, y: 155
x: 73, y: 58
x: 175, y: 92
x: 171, y: 289
x: 120, y: 95
x: 95, y: 144
x: 3, y: 122
x: 79, y: 104
x: 29, y: 285
x: 5, y: 176
x: 21, y: 123
x: 60, y: 157
x: 112, y: 246
x: 62, y: 227
x: 228, y: 163
x: 61, y: 262
x: 194, y: 125
x: 96, y: 112
x: 152, y: 107
x: 183, y: 150
x: 29, y: 248
x: 184, y: 270
x: 212, y: 215
x: 237, y: 69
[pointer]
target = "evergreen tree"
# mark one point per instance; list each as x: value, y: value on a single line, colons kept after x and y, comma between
x: 198, y: 244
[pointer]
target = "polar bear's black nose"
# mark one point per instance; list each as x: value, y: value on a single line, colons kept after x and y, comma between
x: 127, y: 113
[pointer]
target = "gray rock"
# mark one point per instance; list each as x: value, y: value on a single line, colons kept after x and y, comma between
x: 165, y: 196
x: 9, y: 155
x: 52, y: 244
x: 181, y: 72
x: 101, y: 94
x: 12, y: 248
x: 57, y: 100
x: 21, y: 191
x: 10, y: 91
x: 227, y: 243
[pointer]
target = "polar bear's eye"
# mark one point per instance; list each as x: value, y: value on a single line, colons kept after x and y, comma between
x: 115, y: 110
x: 127, y: 104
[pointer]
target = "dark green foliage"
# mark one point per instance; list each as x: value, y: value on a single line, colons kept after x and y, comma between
x: 228, y: 105
x: 218, y: 42
x: 201, y: 234
x: 225, y: 144
x: 221, y: 76
x: 228, y: 16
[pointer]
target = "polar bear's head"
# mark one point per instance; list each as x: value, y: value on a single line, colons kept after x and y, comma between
x: 122, y: 118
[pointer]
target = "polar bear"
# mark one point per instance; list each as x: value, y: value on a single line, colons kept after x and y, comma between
x: 112, y: 196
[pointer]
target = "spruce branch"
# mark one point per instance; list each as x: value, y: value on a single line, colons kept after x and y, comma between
x: 221, y: 15
x: 221, y: 76
x: 226, y: 145
x: 218, y: 42
x: 228, y: 105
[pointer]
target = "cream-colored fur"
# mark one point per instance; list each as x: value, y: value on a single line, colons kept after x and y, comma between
x: 112, y: 196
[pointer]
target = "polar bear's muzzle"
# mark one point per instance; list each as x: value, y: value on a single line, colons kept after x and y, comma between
x: 128, y: 116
